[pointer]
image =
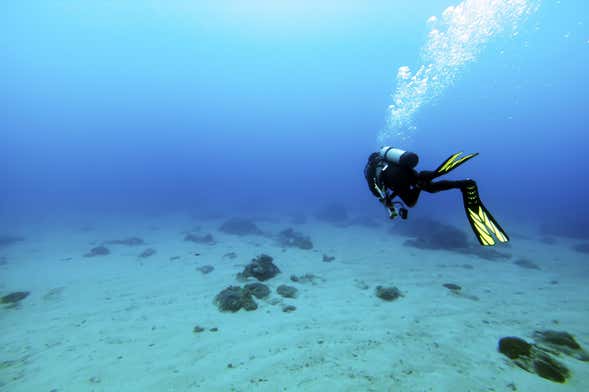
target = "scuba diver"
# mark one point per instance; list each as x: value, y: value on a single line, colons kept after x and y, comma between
x: 390, y: 173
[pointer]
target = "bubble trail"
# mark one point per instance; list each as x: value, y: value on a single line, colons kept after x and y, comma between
x: 454, y: 40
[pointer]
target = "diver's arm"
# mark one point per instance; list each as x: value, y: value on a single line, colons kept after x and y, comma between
x: 387, y: 199
x: 389, y: 204
x: 375, y: 190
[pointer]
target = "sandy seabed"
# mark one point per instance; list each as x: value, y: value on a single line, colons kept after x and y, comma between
x: 124, y: 323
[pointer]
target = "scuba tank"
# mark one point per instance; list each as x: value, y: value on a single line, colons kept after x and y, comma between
x: 399, y: 157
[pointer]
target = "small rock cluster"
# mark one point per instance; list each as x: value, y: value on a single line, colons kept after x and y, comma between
x: 432, y: 235
x: 306, y: 278
x: 293, y: 239
x: 234, y: 298
x: 198, y: 329
x: 206, y: 239
x: 261, y: 268
x: 102, y: 250
x: 537, y: 357
x: 240, y: 227
x: 287, y: 291
x: 526, y: 263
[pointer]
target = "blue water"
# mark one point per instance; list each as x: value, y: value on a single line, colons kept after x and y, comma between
x: 173, y: 106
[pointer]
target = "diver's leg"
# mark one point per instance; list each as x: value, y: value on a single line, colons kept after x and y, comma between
x: 444, y: 185
x: 410, y: 197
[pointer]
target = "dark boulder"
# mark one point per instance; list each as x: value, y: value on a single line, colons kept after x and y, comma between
x: 240, y: 226
x: 557, y: 339
x: 328, y: 259
x: 198, y: 329
x: 261, y: 268
x: 206, y: 239
x: 526, y: 263
x: 14, y: 297
x: 533, y: 358
x: 98, y: 251
x: 433, y: 235
x: 287, y: 291
x: 294, y: 239
x: 233, y: 298
x: 307, y: 278
x: 581, y: 248
x: 549, y: 368
x: 388, y: 293
x: 514, y: 347
x: 206, y: 269
x: 131, y: 241
x: 147, y: 253
x: 430, y: 234
x: 560, y: 342
x: 488, y: 253
x: 452, y: 287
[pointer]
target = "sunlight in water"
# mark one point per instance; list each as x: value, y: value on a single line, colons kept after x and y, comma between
x: 454, y: 40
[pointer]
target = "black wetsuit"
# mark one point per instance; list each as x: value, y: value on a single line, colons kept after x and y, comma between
x: 403, y: 181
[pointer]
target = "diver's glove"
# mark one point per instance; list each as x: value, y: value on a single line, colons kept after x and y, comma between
x: 392, y: 212
x: 389, y: 206
x: 387, y: 201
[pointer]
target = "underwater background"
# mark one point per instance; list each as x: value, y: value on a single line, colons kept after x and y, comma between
x: 118, y: 113
x: 137, y: 107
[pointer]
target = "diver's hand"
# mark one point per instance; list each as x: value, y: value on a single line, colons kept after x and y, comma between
x: 388, y: 203
x: 392, y: 213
